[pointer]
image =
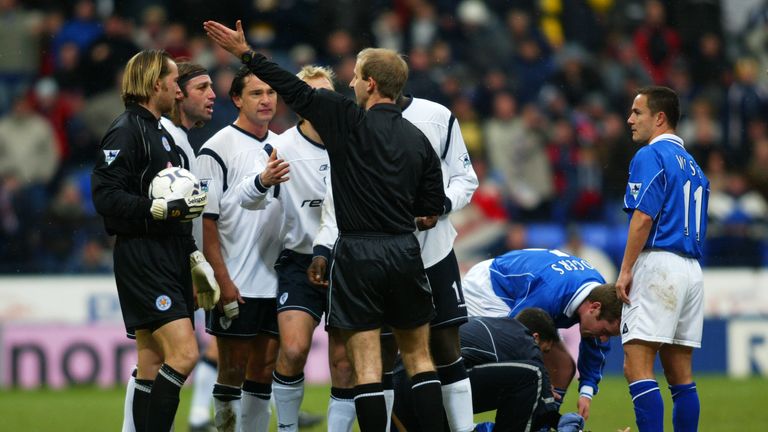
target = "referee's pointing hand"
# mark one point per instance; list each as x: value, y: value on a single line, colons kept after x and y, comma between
x: 231, y: 40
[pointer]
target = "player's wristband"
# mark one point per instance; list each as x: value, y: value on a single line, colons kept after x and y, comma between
x: 586, y: 391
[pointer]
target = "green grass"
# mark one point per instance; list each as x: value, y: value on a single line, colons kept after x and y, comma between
x: 727, y: 405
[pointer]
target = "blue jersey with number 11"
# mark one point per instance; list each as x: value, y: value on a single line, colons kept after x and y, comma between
x: 668, y: 185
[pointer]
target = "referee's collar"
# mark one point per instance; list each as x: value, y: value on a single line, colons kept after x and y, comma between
x: 141, y: 111
x: 386, y: 106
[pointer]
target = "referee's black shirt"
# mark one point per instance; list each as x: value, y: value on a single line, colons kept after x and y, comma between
x: 384, y: 171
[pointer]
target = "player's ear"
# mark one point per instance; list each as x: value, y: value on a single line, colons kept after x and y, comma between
x: 595, y: 305
x: 372, y: 85
x: 536, y: 338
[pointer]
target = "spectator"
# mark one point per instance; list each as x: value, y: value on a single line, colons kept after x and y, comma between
x: 657, y: 44
x: 19, y: 49
x: 515, y: 147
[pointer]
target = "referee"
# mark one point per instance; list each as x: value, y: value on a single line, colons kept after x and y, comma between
x: 154, y: 250
x: 384, y: 174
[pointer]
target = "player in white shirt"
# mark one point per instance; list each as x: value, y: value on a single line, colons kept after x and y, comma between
x: 241, y: 246
x: 193, y: 108
x: 460, y: 182
x: 300, y: 305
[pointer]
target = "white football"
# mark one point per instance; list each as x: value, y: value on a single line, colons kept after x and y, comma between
x: 176, y: 181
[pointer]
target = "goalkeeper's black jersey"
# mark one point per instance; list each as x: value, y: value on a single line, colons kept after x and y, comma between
x: 132, y: 152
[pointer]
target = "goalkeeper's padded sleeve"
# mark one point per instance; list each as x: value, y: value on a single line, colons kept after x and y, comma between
x: 202, y: 277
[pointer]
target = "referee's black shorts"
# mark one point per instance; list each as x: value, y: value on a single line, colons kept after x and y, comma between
x: 378, y: 279
x: 153, y: 278
x: 447, y: 295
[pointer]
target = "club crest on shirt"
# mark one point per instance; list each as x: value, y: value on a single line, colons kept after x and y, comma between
x: 110, y: 156
x: 163, y: 303
x: 283, y: 298
x: 166, y: 144
x: 465, y: 161
x: 634, y: 189
x: 204, y: 183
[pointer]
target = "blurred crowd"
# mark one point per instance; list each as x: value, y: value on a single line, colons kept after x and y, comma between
x: 541, y: 89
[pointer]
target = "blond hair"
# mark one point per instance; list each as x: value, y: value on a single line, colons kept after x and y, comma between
x: 386, y: 67
x: 311, y: 72
x: 141, y: 73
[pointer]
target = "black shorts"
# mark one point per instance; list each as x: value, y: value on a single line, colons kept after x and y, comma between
x: 153, y: 279
x: 445, y: 280
x: 294, y: 292
x: 376, y: 280
x: 258, y: 316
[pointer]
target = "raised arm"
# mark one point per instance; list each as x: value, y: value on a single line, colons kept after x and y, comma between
x: 330, y: 112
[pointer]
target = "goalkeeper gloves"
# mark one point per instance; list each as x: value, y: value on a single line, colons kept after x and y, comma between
x: 179, y: 208
x: 202, y: 277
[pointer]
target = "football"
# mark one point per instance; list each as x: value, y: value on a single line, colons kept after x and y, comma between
x: 176, y: 181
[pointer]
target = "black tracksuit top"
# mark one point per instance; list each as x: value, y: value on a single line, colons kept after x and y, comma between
x: 384, y: 171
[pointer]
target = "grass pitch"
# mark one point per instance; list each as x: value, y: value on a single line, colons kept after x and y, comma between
x: 727, y: 405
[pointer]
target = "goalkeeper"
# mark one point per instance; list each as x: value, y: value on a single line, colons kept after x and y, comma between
x: 155, y: 257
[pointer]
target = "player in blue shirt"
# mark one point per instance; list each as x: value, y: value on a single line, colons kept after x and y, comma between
x: 660, y: 280
x: 570, y: 290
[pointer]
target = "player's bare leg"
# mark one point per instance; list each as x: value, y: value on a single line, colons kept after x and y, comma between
x: 455, y: 387
x: 639, y: 357
x: 296, y: 330
x: 233, y: 359
x: 427, y: 397
x: 179, y: 346
x: 676, y: 360
x: 364, y: 350
x: 257, y: 387
x: 341, y: 406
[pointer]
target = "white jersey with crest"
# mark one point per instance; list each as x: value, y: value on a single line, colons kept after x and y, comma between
x: 181, y: 139
x: 301, y: 196
x: 250, y: 241
x: 459, y: 179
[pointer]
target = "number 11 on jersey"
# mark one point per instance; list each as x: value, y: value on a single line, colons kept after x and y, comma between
x: 697, y: 202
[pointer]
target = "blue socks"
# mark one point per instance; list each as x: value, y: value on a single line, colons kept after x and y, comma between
x: 649, y: 407
x: 685, y: 411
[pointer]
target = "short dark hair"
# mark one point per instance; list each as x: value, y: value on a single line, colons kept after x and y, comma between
x: 663, y: 99
x: 238, y: 82
x: 537, y: 320
x: 610, y: 305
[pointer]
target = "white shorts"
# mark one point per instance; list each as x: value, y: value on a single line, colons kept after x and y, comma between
x: 479, y: 296
x: 666, y: 300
